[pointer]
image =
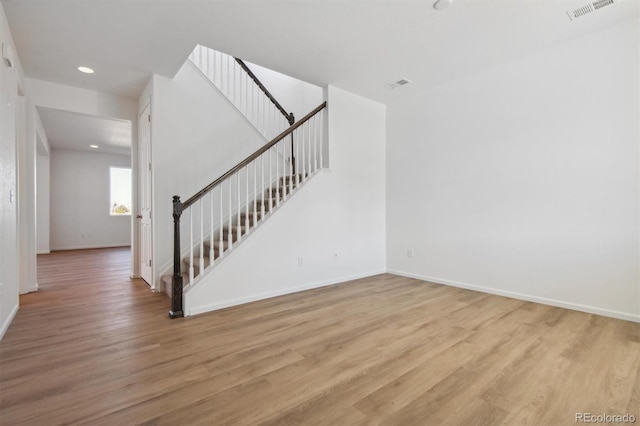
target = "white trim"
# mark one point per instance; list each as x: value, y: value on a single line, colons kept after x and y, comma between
x: 90, y: 247
x: 281, y: 292
x: 44, y: 252
x: 627, y: 316
x: 31, y: 289
x: 7, y: 322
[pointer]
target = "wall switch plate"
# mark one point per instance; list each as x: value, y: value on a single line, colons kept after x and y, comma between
x: 409, y: 252
x: 300, y: 262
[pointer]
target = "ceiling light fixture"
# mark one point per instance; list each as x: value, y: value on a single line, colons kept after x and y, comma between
x: 442, y: 4
x: 85, y: 70
x: 94, y: 146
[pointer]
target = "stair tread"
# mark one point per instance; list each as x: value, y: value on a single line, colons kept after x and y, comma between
x: 167, y: 278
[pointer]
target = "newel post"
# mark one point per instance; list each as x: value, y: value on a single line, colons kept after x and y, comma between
x: 176, y: 279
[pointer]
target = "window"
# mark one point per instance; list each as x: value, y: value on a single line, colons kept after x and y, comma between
x: 120, y: 191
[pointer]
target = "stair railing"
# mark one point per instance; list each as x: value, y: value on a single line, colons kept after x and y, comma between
x: 244, y: 90
x: 222, y: 213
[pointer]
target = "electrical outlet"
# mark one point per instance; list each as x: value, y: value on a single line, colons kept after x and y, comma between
x: 409, y: 252
x: 300, y: 262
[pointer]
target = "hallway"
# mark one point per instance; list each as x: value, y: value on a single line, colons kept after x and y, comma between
x: 50, y: 357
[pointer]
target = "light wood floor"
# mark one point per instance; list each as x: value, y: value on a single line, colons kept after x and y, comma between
x: 93, y: 347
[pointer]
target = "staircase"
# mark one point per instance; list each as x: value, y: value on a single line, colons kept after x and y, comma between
x: 235, y: 80
x: 224, y: 214
x: 229, y: 235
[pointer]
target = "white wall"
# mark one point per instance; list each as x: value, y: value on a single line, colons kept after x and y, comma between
x: 80, y: 201
x: 43, y: 169
x: 11, y: 131
x: 43, y: 178
x: 342, y: 210
x: 523, y: 179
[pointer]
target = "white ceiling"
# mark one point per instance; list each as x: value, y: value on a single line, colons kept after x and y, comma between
x: 70, y: 130
x: 358, y: 45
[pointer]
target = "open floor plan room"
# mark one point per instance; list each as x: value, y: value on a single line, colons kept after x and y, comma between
x: 94, y: 347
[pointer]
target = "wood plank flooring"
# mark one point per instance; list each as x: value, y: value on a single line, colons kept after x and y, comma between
x: 94, y: 347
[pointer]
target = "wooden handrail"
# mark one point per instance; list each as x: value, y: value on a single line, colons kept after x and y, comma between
x: 255, y: 79
x: 252, y: 157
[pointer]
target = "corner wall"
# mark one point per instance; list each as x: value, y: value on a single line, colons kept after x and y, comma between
x: 523, y: 180
x: 338, y: 211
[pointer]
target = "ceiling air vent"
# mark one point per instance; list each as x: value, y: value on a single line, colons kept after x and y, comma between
x: 589, y: 7
x: 398, y: 83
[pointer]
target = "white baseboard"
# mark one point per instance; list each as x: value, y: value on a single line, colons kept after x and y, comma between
x: 43, y: 252
x: 32, y: 288
x: 7, y: 322
x: 522, y: 296
x: 276, y: 293
x: 90, y: 247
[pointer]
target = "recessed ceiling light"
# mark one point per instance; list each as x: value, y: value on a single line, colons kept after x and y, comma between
x: 94, y: 146
x: 442, y: 4
x: 85, y: 70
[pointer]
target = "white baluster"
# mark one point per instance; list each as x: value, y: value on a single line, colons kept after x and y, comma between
x: 228, y: 76
x: 315, y: 144
x: 246, y: 208
x: 233, y: 82
x: 230, y: 225
x: 283, y: 142
x: 197, y: 57
x: 309, y: 144
x: 270, y: 179
x: 218, y: 67
x: 211, y: 252
x: 304, y: 158
x: 298, y: 162
x: 238, y: 221
x: 321, y: 139
x: 262, y: 187
x: 243, y: 93
x: 191, y: 272
x: 289, y: 139
x: 201, y: 203
x: 265, y: 111
x: 221, y: 235
x: 255, y: 192
x: 207, y: 70
x: 277, y: 178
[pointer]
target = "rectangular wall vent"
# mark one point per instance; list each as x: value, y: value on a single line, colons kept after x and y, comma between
x: 398, y: 83
x: 589, y: 8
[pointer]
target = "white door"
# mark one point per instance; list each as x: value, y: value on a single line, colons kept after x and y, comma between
x: 144, y: 191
